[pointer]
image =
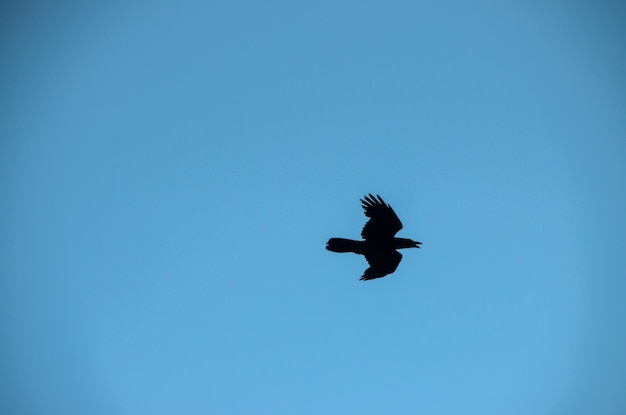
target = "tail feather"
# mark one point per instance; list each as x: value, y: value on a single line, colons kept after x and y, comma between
x: 344, y: 245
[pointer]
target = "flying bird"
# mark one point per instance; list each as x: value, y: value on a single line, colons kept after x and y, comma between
x: 380, y: 244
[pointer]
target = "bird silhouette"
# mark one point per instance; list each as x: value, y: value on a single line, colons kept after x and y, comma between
x: 380, y: 244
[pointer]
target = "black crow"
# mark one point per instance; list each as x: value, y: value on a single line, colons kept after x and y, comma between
x: 379, y: 245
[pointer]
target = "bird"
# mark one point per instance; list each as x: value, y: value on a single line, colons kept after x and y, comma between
x: 380, y: 244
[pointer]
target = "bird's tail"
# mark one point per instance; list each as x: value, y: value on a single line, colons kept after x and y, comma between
x: 344, y: 245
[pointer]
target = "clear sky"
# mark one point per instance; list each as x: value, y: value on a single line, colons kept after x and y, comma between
x: 170, y: 172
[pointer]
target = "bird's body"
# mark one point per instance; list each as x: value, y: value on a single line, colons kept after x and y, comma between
x: 379, y: 244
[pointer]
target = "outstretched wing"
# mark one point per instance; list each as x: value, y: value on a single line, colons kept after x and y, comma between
x: 383, y: 223
x: 381, y: 264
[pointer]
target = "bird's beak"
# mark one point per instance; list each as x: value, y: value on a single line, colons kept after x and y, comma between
x: 417, y: 244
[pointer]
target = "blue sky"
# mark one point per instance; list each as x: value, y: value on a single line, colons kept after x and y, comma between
x: 171, y: 172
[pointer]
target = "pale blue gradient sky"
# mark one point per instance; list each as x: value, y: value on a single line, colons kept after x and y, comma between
x: 171, y: 171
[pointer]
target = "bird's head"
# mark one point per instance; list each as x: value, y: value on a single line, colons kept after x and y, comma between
x: 407, y: 243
